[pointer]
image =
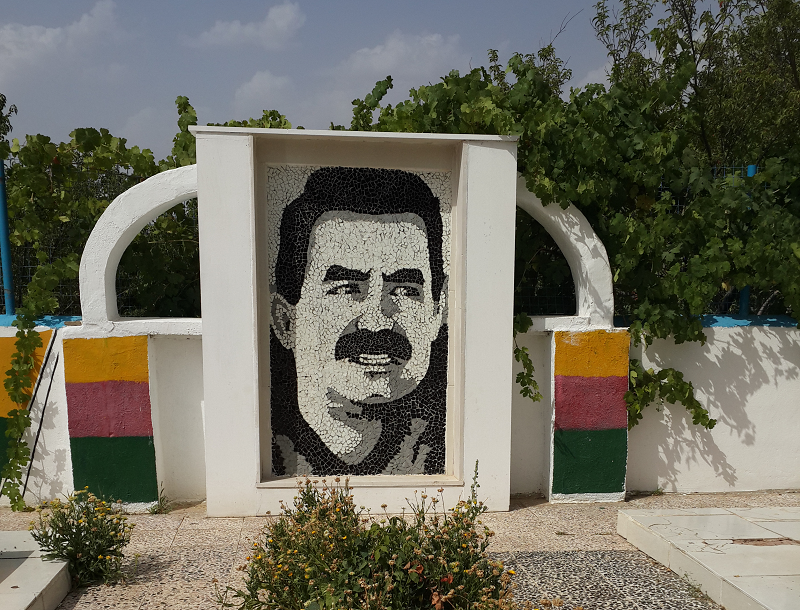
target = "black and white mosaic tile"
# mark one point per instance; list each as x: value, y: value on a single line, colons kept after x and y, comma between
x: 359, y: 268
x: 600, y: 579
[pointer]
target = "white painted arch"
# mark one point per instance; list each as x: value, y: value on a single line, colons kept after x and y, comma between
x: 118, y: 226
x: 586, y: 256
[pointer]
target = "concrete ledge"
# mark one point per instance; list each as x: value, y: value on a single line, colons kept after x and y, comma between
x: 27, y: 581
x: 616, y: 496
x: 743, y: 559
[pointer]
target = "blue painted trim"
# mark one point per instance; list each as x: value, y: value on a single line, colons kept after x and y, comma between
x: 733, y: 321
x: 720, y: 321
x: 48, y: 321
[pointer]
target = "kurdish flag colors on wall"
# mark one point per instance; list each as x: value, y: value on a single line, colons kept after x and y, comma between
x: 110, y: 425
x: 590, y: 436
x: 8, y: 347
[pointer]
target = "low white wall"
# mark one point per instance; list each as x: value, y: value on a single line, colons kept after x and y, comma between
x: 176, y: 393
x: 749, y: 380
x: 530, y: 421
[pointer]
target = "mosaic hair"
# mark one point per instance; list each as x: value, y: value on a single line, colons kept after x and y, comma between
x: 362, y: 191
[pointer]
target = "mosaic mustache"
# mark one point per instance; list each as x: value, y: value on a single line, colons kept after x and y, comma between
x: 374, y: 343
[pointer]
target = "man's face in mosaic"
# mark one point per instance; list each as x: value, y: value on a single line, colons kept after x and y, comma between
x: 363, y: 327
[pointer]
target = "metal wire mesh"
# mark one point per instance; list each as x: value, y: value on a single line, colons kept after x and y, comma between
x: 543, y: 281
x: 546, y: 299
x: 551, y: 292
x: 102, y: 186
x: 24, y: 264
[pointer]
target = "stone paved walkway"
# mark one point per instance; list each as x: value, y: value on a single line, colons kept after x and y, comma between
x: 565, y: 551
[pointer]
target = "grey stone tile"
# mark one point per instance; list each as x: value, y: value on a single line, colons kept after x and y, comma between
x: 600, y: 579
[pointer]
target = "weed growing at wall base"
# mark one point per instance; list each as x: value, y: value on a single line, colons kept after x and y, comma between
x: 325, y: 553
x: 86, y: 532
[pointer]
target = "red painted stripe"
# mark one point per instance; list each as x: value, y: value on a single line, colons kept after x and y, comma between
x: 109, y: 408
x: 590, y: 403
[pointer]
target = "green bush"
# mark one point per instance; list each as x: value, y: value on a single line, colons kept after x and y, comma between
x: 325, y: 553
x: 86, y: 532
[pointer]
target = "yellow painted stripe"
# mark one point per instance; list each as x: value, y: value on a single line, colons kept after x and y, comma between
x: 7, y: 349
x: 111, y: 359
x: 597, y: 353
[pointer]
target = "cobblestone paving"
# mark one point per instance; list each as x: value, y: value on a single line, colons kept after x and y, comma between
x: 600, y: 579
x: 569, y: 552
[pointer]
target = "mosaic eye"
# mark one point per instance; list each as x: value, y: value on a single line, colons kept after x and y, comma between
x: 348, y: 288
x: 411, y: 292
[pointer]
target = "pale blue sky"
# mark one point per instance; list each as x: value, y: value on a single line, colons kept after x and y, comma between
x: 120, y: 65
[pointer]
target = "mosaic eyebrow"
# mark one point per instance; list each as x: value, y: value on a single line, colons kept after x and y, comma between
x: 337, y: 273
x: 405, y: 276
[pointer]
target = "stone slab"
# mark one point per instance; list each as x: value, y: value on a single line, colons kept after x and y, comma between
x: 744, y: 559
x: 27, y: 581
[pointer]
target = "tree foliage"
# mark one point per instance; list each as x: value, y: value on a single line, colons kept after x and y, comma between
x: 5, y: 124
x: 639, y: 157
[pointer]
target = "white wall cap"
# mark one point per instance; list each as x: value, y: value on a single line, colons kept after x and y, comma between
x: 308, y: 134
x: 584, y: 252
x: 115, y: 230
x: 135, y: 327
x: 545, y: 324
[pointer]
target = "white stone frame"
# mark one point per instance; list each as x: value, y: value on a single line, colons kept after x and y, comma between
x: 235, y: 323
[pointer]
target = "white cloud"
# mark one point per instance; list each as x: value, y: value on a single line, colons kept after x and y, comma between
x: 404, y: 55
x: 152, y: 127
x: 23, y: 47
x: 277, y: 28
x: 598, y: 75
x: 411, y: 59
x: 264, y: 91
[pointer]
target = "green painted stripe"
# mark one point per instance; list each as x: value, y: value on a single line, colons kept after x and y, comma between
x: 589, y: 461
x: 3, y: 442
x: 116, y: 468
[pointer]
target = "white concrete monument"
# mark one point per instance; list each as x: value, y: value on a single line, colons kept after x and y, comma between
x: 357, y: 295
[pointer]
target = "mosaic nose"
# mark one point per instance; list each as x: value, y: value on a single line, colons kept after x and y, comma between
x: 379, y: 309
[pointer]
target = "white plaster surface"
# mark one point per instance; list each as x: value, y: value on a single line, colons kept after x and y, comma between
x: 115, y: 230
x: 51, y: 468
x: 707, y: 547
x: 226, y: 196
x: 176, y: 391
x: 749, y: 380
x: 530, y: 421
x: 489, y: 183
x: 136, y: 327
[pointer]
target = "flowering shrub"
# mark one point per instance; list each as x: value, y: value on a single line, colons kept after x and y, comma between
x: 324, y: 553
x: 86, y: 532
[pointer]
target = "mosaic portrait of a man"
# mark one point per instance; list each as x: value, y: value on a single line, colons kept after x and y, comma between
x: 359, y: 339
